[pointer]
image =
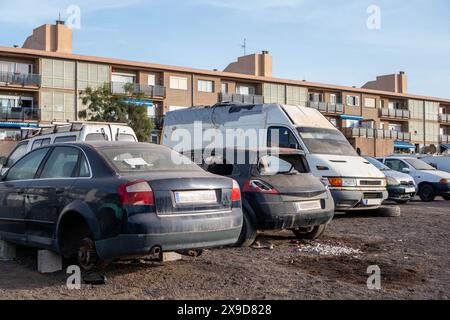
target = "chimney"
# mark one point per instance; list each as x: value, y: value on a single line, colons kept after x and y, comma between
x: 397, y: 83
x: 51, y: 38
x: 253, y: 64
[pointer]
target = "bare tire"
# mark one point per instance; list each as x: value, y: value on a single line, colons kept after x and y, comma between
x: 312, y: 233
x: 389, y: 211
x: 87, y: 256
x: 426, y: 193
x: 248, y: 232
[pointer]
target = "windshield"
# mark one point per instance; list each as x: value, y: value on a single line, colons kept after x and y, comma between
x: 326, y: 141
x: 271, y: 165
x: 419, y: 164
x: 378, y: 164
x: 141, y: 159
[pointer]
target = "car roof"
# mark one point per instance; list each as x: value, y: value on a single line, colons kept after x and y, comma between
x: 264, y: 150
x: 107, y: 144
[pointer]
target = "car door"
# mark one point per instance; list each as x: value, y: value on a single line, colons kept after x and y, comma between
x: 400, y: 165
x: 12, y: 194
x: 49, y: 193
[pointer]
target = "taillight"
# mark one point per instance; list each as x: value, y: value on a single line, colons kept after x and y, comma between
x: 259, y: 187
x: 236, y: 192
x: 137, y: 193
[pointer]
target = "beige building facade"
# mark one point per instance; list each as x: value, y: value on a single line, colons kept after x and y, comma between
x: 44, y: 82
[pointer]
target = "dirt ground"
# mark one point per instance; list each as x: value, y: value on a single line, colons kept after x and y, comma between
x: 412, y: 252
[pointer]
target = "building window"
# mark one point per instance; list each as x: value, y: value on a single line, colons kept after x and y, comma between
x: 369, y: 102
x: 205, y: 86
x: 353, y: 101
x: 123, y: 78
x: 15, y: 67
x: 274, y: 93
x: 225, y: 88
x: 245, y: 90
x: 92, y: 75
x: 58, y: 74
x: 178, y: 83
x: 151, y: 80
x: 316, y: 97
x: 333, y: 99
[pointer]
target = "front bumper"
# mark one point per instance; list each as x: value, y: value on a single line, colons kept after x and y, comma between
x: 348, y: 199
x: 143, y: 232
x: 441, y: 189
x: 401, y: 193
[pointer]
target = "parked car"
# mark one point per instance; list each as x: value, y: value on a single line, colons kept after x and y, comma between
x: 101, y: 201
x: 430, y: 181
x: 68, y: 132
x: 439, y: 162
x: 354, y: 183
x: 401, y: 186
x: 278, y: 192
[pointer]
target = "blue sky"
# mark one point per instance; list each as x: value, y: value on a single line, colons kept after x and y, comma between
x: 317, y: 40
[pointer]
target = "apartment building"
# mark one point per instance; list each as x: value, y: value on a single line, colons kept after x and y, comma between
x: 44, y: 81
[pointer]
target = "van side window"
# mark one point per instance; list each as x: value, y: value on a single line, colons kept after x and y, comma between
x: 18, y: 153
x: 40, y: 143
x: 65, y: 139
x: 61, y: 163
x: 280, y: 137
x: 126, y: 137
x: 96, y: 137
x: 396, y: 165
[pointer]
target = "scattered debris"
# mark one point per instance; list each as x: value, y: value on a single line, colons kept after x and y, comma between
x: 259, y: 244
x: 327, y: 250
x: 95, y: 279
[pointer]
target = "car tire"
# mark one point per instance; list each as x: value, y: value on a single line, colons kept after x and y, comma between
x: 426, y: 193
x: 310, y: 233
x: 389, y: 211
x: 87, y: 256
x: 248, y: 232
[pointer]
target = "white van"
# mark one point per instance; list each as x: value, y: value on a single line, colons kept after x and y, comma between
x: 67, y: 132
x: 439, y: 162
x: 354, y: 182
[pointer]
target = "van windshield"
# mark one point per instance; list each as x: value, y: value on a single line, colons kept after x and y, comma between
x: 326, y: 141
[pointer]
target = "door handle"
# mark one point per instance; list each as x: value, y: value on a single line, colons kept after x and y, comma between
x: 59, y: 190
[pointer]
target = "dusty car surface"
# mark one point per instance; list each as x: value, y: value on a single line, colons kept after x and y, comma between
x: 278, y: 192
x: 102, y: 201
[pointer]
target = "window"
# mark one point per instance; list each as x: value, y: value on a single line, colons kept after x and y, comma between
x: 280, y: 137
x: 274, y: 93
x: 326, y: 141
x: 40, y: 143
x: 84, y: 168
x: 96, y: 137
x: 353, y: 101
x: 296, y: 95
x: 205, y: 86
x: 396, y: 165
x: 369, y: 102
x: 123, y: 78
x: 18, y: 153
x: 221, y: 169
x: 61, y: 163
x: 245, y: 90
x: 26, y: 168
x: 178, y: 83
x: 270, y: 165
x: 65, y: 139
x: 126, y: 137
x: 420, y: 164
x: 224, y: 87
x: 333, y: 99
x: 151, y: 80
x: 58, y: 74
x: 316, y: 97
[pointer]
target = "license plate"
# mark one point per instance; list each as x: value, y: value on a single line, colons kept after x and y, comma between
x: 410, y: 190
x: 308, y: 205
x: 372, y: 202
x: 190, y: 197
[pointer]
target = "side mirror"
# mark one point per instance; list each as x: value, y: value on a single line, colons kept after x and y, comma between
x: 406, y: 170
x: 3, y: 161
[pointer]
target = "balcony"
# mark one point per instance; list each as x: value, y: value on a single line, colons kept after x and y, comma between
x: 444, y: 118
x: 136, y: 88
x: 444, y: 139
x: 369, y: 133
x: 22, y: 114
x: 324, y: 107
x: 397, y: 114
x: 20, y: 79
x: 241, y: 98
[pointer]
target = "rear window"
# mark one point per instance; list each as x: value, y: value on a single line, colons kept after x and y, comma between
x: 65, y: 139
x: 126, y: 137
x: 149, y: 159
x: 96, y: 137
x: 289, y: 164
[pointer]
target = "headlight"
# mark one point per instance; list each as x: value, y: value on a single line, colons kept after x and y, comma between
x: 392, y: 181
x: 342, y: 182
x: 444, y: 181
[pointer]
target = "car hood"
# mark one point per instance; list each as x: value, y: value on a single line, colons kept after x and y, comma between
x: 343, y: 166
x: 398, y: 175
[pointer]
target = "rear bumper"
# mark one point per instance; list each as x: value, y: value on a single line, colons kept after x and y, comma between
x: 348, y: 200
x: 399, y: 193
x: 172, y: 233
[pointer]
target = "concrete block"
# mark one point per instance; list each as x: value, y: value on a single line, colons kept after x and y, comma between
x: 7, y: 251
x: 49, y: 262
x: 170, y: 256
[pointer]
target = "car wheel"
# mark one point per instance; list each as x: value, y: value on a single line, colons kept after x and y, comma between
x: 426, y: 193
x: 248, y: 233
x: 388, y: 211
x: 87, y: 254
x: 312, y: 233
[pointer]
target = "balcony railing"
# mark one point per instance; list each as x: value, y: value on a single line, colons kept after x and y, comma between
x: 444, y: 118
x: 241, y: 98
x: 23, y: 114
x: 150, y: 91
x: 325, y: 107
x: 395, y: 113
x: 444, y: 138
x: 369, y: 133
x: 20, y: 79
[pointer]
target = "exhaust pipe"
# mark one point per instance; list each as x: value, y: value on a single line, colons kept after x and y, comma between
x: 155, y: 251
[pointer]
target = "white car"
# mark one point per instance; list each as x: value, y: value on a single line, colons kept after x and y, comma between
x: 439, y: 162
x: 430, y: 181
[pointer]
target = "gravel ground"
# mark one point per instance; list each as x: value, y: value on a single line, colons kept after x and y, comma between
x: 412, y: 252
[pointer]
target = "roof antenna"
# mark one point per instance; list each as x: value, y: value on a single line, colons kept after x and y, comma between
x: 244, y: 46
